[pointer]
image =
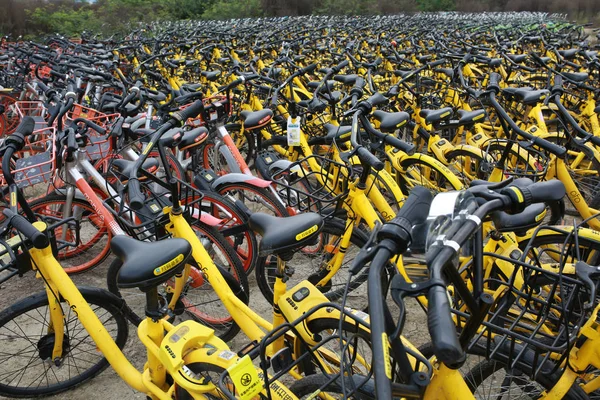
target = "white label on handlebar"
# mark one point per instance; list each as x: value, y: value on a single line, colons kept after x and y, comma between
x: 293, y: 131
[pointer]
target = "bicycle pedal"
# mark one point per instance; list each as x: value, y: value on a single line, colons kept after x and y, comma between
x: 248, y: 348
x: 282, y: 360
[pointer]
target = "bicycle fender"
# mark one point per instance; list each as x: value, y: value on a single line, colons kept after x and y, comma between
x: 474, y: 150
x: 229, y: 158
x: 239, y: 177
x: 453, y: 179
x: 279, y: 165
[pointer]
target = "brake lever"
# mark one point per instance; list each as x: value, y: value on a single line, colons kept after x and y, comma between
x: 585, y: 273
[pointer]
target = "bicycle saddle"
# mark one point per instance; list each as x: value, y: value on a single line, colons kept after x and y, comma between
x: 435, y: 116
x: 568, y: 54
x: 283, y: 235
x: 346, y: 79
x: 256, y: 119
x: 211, y: 75
x: 389, y: 122
x: 517, y: 58
x: 470, y: 117
x: 123, y: 167
x: 193, y: 138
x: 531, y: 97
x: 576, y: 76
x: 148, y: 264
x: 339, y: 133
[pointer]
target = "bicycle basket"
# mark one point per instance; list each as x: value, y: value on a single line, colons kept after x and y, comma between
x: 14, y: 258
x: 539, y: 306
x: 33, y: 109
x: 522, y: 160
x: 321, y: 190
x: 149, y: 222
x: 37, y: 161
x: 216, y: 108
x: 320, y: 356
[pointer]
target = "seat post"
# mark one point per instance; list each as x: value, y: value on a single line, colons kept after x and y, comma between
x: 152, y: 305
x: 279, y: 290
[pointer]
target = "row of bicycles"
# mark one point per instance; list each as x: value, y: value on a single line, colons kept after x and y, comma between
x: 350, y: 164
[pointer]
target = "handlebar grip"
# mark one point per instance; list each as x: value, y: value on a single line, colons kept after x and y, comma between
x: 341, y: 65
x: 553, y: 148
x: 441, y: 327
x: 377, y: 99
x: 26, y: 126
x: 434, y: 64
x: 190, y: 112
x: 37, y: 238
x: 369, y: 158
x: 136, y: 197
x: 558, y: 84
x: 416, y: 207
x: 494, y: 83
x: 308, y: 69
x: 539, y: 192
x: 400, y: 144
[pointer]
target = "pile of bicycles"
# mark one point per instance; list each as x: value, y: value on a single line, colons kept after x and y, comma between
x: 349, y: 163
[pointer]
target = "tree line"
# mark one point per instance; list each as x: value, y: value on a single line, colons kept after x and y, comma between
x: 70, y: 17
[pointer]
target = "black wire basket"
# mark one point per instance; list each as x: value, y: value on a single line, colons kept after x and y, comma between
x: 523, y: 159
x: 306, y: 190
x: 318, y: 356
x: 539, y: 306
x: 14, y: 248
x: 148, y: 223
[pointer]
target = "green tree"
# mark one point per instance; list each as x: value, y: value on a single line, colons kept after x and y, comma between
x: 233, y: 9
x: 436, y: 5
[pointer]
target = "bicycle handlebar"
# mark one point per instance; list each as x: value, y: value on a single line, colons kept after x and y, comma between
x: 136, y: 197
x: 20, y: 223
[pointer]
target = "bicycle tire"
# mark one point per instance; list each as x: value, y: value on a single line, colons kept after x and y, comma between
x: 20, y: 311
x: 313, y: 384
x: 589, y: 249
x: 261, y: 198
x: 434, y: 177
x: 235, y: 276
x: 466, y: 173
x: 476, y: 375
x: 244, y: 242
x: 322, y: 328
x: 80, y: 257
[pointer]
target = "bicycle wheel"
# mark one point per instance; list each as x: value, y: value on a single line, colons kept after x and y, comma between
x: 94, y: 235
x: 26, y: 369
x: 422, y: 172
x: 198, y: 300
x: 350, y: 347
x: 466, y: 165
x: 9, y: 113
x: 549, y: 246
x: 312, y: 266
x: 492, y: 379
x: 214, y: 160
x: 256, y: 199
x: 309, y: 386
